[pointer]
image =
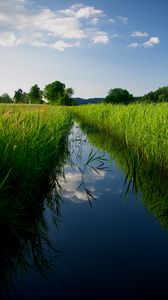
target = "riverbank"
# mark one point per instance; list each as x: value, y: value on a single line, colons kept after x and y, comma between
x: 32, y: 146
x: 139, y: 127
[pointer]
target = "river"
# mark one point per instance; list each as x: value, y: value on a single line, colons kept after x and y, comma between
x: 106, y: 237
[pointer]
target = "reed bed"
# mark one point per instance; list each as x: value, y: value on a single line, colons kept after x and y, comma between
x: 30, y: 142
x: 140, y: 127
x: 32, y: 138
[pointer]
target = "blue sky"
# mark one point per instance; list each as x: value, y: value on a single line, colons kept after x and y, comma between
x: 92, y: 46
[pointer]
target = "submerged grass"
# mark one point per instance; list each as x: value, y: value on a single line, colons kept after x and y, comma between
x: 142, y: 128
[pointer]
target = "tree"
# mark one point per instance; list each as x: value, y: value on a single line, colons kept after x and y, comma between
x: 56, y: 93
x: 5, y: 98
x: 20, y: 96
x: 160, y: 95
x: 66, y: 99
x: 119, y: 96
x: 35, y: 94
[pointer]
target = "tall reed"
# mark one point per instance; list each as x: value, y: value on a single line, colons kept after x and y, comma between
x: 32, y: 142
x: 142, y: 127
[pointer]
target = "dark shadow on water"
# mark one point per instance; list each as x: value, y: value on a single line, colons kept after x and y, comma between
x: 24, y: 241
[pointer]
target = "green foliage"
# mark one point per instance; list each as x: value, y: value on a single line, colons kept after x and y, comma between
x: 118, y: 95
x: 35, y: 94
x: 5, y: 98
x: 69, y: 92
x: 160, y: 95
x: 56, y: 93
x: 20, y: 96
x: 53, y: 91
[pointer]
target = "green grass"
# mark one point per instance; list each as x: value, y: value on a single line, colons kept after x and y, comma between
x: 32, y: 145
x: 140, y: 127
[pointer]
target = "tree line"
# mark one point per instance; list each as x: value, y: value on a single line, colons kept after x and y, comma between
x: 122, y: 96
x: 53, y: 93
x: 57, y: 93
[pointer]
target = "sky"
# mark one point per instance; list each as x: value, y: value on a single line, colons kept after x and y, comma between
x: 91, y: 46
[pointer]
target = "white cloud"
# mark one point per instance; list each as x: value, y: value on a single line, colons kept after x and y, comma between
x: 73, y: 179
x: 4, y: 18
x: 134, y: 45
x: 139, y: 34
x: 12, y: 5
x: 21, y: 22
x: 54, y: 27
x: 64, y: 27
x: 7, y: 39
x: 152, y: 42
x: 82, y: 196
x: 82, y: 12
x: 100, y: 37
x: 38, y: 44
x: 111, y: 20
x: 122, y: 19
x: 87, y: 12
x: 35, y: 39
x: 61, y: 45
x: 94, y: 21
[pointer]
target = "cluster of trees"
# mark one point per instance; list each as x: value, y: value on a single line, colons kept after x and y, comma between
x: 5, y: 98
x: 160, y: 95
x: 122, y: 96
x: 53, y: 93
x: 117, y: 96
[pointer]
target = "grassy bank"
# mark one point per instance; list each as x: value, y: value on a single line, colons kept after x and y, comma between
x: 32, y: 143
x: 139, y: 178
x: 142, y: 128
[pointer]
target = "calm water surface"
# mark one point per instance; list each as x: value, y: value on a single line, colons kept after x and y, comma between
x: 109, y: 242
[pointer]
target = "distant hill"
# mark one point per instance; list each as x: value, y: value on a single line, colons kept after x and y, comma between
x: 81, y: 101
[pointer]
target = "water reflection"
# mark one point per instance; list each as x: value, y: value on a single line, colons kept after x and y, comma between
x: 147, y: 182
x: 25, y: 245
x: 85, y: 167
